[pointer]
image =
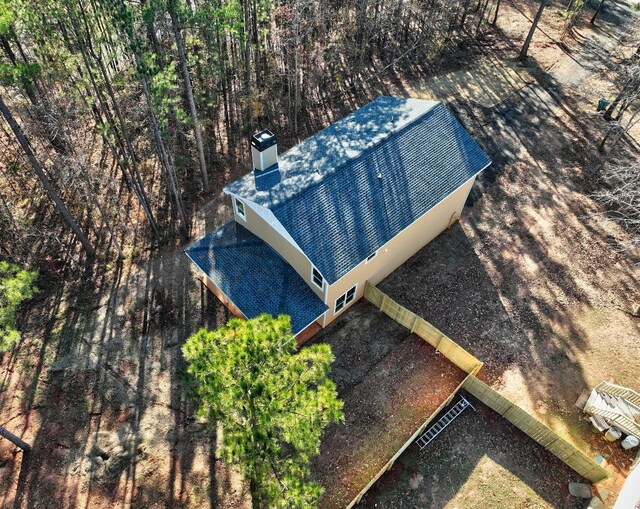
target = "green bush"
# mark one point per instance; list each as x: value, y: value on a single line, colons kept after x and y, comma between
x: 16, y: 285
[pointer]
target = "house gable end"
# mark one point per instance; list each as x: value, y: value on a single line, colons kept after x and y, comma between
x: 264, y: 224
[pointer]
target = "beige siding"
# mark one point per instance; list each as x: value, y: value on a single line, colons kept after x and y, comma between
x: 261, y: 227
x: 399, y: 249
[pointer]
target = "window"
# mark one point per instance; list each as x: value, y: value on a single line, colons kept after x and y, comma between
x: 345, y: 299
x: 317, y: 278
x: 371, y: 256
x: 240, y: 209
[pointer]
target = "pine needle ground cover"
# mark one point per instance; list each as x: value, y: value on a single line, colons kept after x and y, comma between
x: 391, y: 381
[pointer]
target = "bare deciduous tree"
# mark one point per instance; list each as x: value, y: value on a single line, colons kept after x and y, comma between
x: 622, y: 196
x: 629, y: 91
x: 42, y: 176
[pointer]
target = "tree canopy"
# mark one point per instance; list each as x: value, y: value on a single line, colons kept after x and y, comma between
x: 272, y: 403
x: 134, y: 110
x: 16, y: 285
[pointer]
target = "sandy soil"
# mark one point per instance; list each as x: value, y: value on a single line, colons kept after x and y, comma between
x: 534, y: 281
x: 96, y: 387
x: 531, y: 282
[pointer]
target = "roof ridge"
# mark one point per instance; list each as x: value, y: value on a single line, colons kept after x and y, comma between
x: 422, y: 164
x: 362, y: 152
x: 330, y: 149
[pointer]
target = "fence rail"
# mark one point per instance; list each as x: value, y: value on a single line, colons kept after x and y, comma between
x: 419, y: 326
x: 617, y: 390
x: 412, y: 439
x: 536, y: 430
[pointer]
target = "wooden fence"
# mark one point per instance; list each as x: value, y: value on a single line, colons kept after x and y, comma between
x: 536, y: 430
x: 419, y: 326
x: 412, y: 439
x: 547, y: 438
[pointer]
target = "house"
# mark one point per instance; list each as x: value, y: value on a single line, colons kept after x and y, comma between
x: 349, y: 204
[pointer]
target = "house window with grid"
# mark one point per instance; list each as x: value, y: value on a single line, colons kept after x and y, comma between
x: 240, y: 209
x: 317, y: 278
x: 345, y: 299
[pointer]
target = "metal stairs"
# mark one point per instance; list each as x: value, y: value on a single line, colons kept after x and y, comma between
x: 443, y: 422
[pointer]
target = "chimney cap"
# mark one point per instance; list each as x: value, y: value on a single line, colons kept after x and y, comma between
x: 263, y: 140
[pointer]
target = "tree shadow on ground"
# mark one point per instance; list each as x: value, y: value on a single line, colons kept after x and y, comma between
x: 457, y: 463
x: 116, y: 341
x: 108, y: 361
x: 507, y: 283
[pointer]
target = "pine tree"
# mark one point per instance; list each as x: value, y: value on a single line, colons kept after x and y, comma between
x: 16, y: 286
x: 272, y: 403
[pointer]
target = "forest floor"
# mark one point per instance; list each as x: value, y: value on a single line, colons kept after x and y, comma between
x: 531, y: 282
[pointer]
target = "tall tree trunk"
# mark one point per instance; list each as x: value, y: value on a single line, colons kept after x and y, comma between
x: 614, y: 104
x: 15, y: 440
x: 495, y: 15
x: 465, y: 12
x: 91, y: 194
x: 39, y: 171
x: 534, y: 25
x: 484, y: 8
x: 186, y: 77
x: 165, y: 158
x: 595, y: 14
x: 129, y: 164
x: 246, y: 11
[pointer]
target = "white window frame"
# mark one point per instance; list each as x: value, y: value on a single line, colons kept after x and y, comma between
x: 345, y: 303
x: 243, y: 214
x: 371, y: 257
x: 313, y: 277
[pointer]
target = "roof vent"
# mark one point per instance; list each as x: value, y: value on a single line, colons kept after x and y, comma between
x: 264, y: 150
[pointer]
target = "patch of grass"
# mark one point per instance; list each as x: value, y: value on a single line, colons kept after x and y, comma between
x: 492, y: 487
x: 596, y: 318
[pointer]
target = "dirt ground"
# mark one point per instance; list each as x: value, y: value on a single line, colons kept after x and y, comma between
x: 533, y: 281
x: 473, y: 464
x: 381, y: 371
x: 96, y: 387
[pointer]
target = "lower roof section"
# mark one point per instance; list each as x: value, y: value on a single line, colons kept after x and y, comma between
x: 254, y: 277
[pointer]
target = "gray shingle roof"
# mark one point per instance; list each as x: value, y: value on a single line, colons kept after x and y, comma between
x: 254, y: 277
x: 372, y: 198
x: 320, y: 155
x: 346, y: 191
